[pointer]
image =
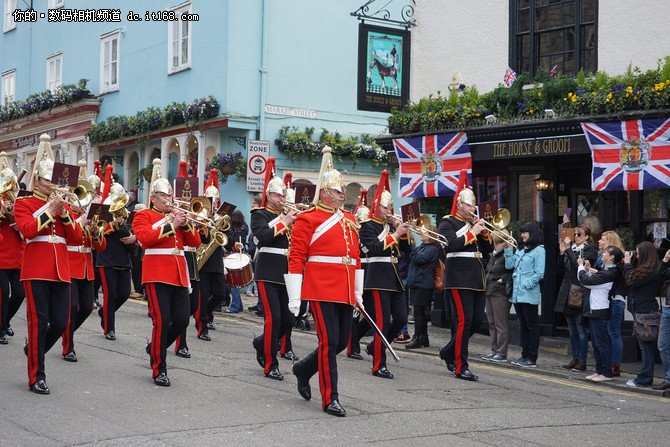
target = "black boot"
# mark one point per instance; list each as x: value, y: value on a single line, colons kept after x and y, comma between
x: 417, y: 341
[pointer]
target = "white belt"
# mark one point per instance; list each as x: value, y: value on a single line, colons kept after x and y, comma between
x: 364, y: 260
x: 274, y: 250
x: 79, y: 248
x: 344, y: 260
x: 51, y: 239
x: 190, y: 249
x: 164, y: 251
x: 464, y: 254
x: 391, y: 259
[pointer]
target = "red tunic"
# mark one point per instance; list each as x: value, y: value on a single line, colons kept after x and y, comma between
x: 46, y: 257
x: 13, y: 244
x: 81, y: 258
x: 325, y: 281
x: 153, y: 232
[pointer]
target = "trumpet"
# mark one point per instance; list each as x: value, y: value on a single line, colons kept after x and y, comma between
x: 420, y: 226
x: 196, y: 218
x: 497, y: 224
x: 297, y: 207
x: 65, y: 194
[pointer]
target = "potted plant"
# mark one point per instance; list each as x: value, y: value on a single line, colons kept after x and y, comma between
x: 142, y: 175
x: 200, y: 110
x: 228, y: 163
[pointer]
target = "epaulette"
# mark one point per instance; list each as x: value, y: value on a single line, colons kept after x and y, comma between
x: 446, y: 216
x: 376, y: 219
x: 256, y: 208
x: 308, y: 210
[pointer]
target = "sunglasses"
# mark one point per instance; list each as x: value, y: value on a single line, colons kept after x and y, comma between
x: 578, y: 234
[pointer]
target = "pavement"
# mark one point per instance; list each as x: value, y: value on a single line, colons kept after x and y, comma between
x: 553, y: 354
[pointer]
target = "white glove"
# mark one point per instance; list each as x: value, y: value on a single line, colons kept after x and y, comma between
x: 358, y: 287
x: 293, y: 283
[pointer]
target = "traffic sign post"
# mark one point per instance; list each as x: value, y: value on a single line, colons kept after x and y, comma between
x: 258, y: 152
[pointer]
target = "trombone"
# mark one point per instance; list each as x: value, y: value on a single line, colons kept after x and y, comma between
x: 65, y: 194
x: 193, y: 216
x: 297, y: 207
x: 498, y: 223
x: 420, y: 226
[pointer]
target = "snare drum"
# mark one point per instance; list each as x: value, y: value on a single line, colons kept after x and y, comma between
x: 238, y: 270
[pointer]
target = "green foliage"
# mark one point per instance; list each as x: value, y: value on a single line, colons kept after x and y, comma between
x: 299, y: 145
x: 627, y: 237
x: 599, y: 94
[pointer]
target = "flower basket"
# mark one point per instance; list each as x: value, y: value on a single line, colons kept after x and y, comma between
x: 227, y: 169
x: 214, y: 111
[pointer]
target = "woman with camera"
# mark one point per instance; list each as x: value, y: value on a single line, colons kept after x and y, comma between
x: 567, y: 260
x: 644, y: 282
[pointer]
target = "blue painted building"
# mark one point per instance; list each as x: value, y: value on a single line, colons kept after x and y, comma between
x: 268, y: 63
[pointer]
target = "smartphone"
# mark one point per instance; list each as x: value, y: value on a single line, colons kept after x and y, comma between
x: 568, y: 211
x: 581, y: 253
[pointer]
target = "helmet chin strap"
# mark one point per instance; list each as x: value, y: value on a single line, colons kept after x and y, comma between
x: 329, y: 194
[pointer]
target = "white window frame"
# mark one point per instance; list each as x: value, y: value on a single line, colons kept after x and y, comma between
x: 53, y: 4
x: 8, y: 83
x: 8, y: 22
x: 55, y: 77
x: 177, y: 40
x: 108, y: 39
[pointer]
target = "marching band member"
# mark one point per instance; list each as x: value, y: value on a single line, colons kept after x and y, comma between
x: 82, y: 273
x: 324, y: 248
x: 114, y: 263
x: 383, y: 238
x: 359, y: 326
x: 12, y: 293
x: 285, y: 345
x: 468, y: 243
x: 163, y: 231
x: 45, y: 223
x: 181, y: 345
x: 212, y: 280
x: 271, y: 228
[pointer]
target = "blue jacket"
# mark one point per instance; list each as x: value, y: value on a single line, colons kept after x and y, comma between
x: 421, y: 260
x: 528, y: 271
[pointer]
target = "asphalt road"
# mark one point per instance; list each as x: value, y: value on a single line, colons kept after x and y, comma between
x: 220, y: 397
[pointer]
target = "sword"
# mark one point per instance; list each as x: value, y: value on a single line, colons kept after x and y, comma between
x: 384, y: 340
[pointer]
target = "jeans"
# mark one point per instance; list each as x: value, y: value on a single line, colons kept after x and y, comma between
x: 664, y: 342
x: 236, y: 302
x: 579, y: 341
x: 602, y: 347
x: 614, y: 329
x: 646, y: 376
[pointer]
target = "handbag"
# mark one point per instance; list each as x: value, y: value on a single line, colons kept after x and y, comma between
x: 645, y: 326
x: 438, y: 276
x: 576, y: 296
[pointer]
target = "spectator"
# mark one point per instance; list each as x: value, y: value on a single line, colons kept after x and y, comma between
x: 602, y: 285
x: 420, y: 282
x: 592, y: 223
x: 618, y: 304
x: 567, y: 261
x: 237, y: 235
x: 528, y: 264
x: 644, y: 282
x: 497, y: 303
x: 664, y: 328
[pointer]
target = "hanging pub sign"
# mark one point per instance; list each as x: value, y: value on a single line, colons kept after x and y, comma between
x: 383, y: 68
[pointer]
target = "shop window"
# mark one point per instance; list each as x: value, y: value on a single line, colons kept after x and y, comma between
x: 530, y: 202
x: 494, y: 188
x: 655, y: 204
x: 553, y: 32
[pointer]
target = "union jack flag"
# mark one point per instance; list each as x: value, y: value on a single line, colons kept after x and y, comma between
x: 430, y: 165
x: 510, y: 77
x: 554, y: 71
x: 629, y: 155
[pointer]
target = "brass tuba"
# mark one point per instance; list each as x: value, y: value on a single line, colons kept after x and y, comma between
x: 8, y: 188
x: 218, y: 238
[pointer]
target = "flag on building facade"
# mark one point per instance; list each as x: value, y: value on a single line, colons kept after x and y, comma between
x: 629, y: 155
x: 510, y: 76
x: 554, y: 71
x: 430, y: 165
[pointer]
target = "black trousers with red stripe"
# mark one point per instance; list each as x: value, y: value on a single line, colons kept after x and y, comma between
x: 213, y: 287
x: 81, y: 306
x: 116, y: 290
x: 47, y: 311
x: 278, y: 321
x: 469, y: 306
x: 11, y: 296
x: 169, y: 307
x: 382, y: 306
x: 333, y: 327
x: 194, y: 307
